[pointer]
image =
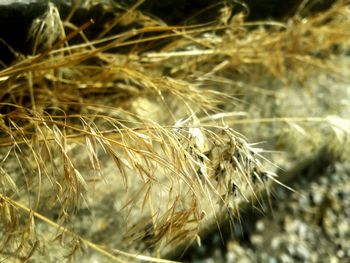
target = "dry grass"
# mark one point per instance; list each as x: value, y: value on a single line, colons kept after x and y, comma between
x: 163, y: 115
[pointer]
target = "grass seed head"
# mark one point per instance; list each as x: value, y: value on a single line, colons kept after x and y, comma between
x: 150, y: 136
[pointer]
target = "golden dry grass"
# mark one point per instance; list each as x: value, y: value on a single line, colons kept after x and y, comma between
x: 167, y: 118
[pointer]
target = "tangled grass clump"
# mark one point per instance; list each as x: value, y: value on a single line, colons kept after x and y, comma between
x: 144, y: 144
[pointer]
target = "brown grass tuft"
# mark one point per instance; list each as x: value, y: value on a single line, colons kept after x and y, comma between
x: 135, y: 134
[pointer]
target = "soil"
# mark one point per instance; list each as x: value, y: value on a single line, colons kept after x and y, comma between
x: 309, y: 225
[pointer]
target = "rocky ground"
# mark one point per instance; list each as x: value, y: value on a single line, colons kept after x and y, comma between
x: 310, y: 225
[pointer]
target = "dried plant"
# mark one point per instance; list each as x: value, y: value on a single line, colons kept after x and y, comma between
x: 145, y: 144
